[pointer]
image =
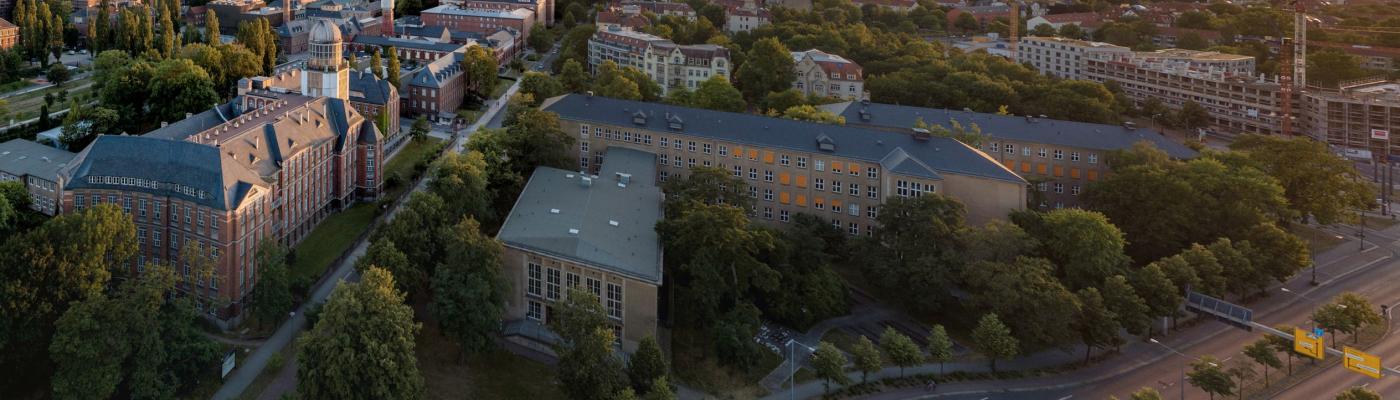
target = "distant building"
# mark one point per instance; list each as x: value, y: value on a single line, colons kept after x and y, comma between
x: 1059, y: 158
x: 1224, y: 84
x: 419, y: 50
x: 1064, y: 58
x: 669, y: 64
x: 744, y: 16
x: 1059, y: 20
x: 543, y: 9
x: 1362, y: 115
x: 823, y: 74
x: 594, y: 233
x: 1170, y: 36
x: 659, y: 8
x: 36, y: 166
x: 9, y: 35
x: 983, y: 14
x: 437, y: 89
x: 1371, y: 57
x: 477, y: 20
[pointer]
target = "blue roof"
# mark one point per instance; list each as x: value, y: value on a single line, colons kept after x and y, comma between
x: 1008, y: 127
x: 895, y: 151
x: 162, y: 166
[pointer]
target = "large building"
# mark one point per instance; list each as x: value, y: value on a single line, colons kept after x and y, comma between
x: 267, y: 166
x: 669, y: 64
x: 1064, y: 58
x: 597, y: 233
x: 37, y: 167
x: 543, y: 9
x: 824, y: 74
x: 480, y: 20
x: 1237, y: 101
x: 842, y: 173
x: 9, y: 34
x: 1059, y: 158
x: 1360, y: 116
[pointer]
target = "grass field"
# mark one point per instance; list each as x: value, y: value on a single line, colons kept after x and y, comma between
x: 402, y: 163
x: 498, y: 374
x: 329, y: 240
x: 27, y: 105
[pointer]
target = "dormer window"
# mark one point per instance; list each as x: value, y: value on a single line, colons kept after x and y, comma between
x: 825, y: 143
x: 639, y: 118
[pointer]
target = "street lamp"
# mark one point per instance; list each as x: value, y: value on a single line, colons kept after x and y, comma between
x: 1183, y: 364
x: 792, y: 367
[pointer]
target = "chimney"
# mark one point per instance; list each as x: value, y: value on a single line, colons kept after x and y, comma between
x: 287, y: 14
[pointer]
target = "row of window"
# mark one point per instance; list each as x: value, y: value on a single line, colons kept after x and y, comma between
x: 738, y: 152
x: 1058, y: 187
x: 1058, y: 154
x: 194, y: 219
x: 852, y: 228
x: 547, y: 283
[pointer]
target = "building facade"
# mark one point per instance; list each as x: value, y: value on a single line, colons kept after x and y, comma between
x: 9, y: 34
x: 37, y: 167
x: 595, y: 233
x: 841, y: 173
x: 479, y: 20
x: 669, y: 64
x: 1361, y: 116
x: 823, y: 74
x: 1222, y: 83
x: 1064, y: 58
x: 1060, y: 159
x: 543, y: 9
x: 437, y: 89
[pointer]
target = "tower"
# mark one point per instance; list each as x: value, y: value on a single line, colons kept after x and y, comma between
x: 386, y: 7
x: 326, y: 74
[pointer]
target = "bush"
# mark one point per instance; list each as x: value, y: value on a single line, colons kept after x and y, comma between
x: 393, y: 180
x: 313, y: 314
x: 275, y: 362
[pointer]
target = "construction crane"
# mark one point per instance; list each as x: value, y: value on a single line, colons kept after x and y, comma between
x: 1293, y: 65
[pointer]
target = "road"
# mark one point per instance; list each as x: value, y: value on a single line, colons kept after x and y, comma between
x: 253, y: 363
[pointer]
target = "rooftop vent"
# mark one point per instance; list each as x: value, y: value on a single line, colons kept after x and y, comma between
x: 922, y: 134
x: 623, y: 178
x: 585, y: 182
x: 554, y: 211
x: 570, y: 176
x: 639, y: 118
x: 825, y: 143
x: 612, y: 222
x: 674, y: 122
x: 573, y: 231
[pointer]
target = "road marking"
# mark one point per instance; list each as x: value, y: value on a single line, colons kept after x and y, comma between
x: 1066, y: 397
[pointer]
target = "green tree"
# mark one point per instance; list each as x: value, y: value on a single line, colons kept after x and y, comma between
x: 420, y: 128
x: 573, y: 77
x: 1208, y: 375
x: 660, y: 390
x: 469, y: 288
x: 867, y: 358
x: 1358, y: 393
x: 647, y: 88
x: 1330, y: 67
x: 1130, y: 309
x: 1357, y: 311
x: 967, y: 23
x: 272, y: 296
x: 462, y: 181
x: 541, y: 39
x: 1192, y: 115
x: 1317, y: 184
x: 178, y: 87
x: 1097, y: 325
x: 541, y: 86
x: 611, y: 82
x: 58, y: 74
x: 902, y: 351
x: 382, y: 254
x: 1146, y: 393
x: 1024, y: 292
x: 365, y: 321
x: 1086, y: 248
x: 479, y: 68
x: 1043, y: 30
x: 211, y: 27
x: 940, y: 347
x: 1071, y: 31
x: 588, y: 370
x: 830, y: 365
x: 993, y: 339
x: 376, y: 63
x: 768, y: 67
x: 647, y: 366
x: 809, y: 289
x: 1262, y: 352
x: 392, y: 74
x: 1282, y: 345
x: 716, y: 254
x: 1192, y: 41
x: 577, y: 316
x: 914, y: 254
x: 168, y: 40
x: 809, y: 113
x: 717, y: 94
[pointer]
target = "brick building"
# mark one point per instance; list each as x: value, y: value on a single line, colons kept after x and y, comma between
x: 482, y: 21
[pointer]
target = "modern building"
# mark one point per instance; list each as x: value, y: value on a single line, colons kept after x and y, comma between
x: 824, y: 74
x: 9, y: 35
x: 591, y: 232
x: 1237, y: 101
x: 36, y: 166
x: 669, y: 64
x: 1059, y: 158
x: 1064, y: 58
x: 480, y: 20
x: 269, y: 165
x: 842, y: 173
x: 1360, y: 116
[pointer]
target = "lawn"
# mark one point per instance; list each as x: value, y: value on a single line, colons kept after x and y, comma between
x: 403, y: 162
x: 329, y: 240
x: 497, y: 374
x: 27, y: 105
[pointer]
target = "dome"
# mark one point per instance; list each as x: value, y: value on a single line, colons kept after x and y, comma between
x: 324, y: 31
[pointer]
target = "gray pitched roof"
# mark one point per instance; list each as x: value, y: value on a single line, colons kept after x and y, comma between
x: 367, y: 88
x: 408, y: 43
x: 631, y: 247
x: 22, y: 157
x: 1036, y: 130
x: 436, y: 74
x: 941, y: 155
x: 159, y: 164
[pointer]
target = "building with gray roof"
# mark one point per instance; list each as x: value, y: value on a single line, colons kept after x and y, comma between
x: 843, y: 172
x: 36, y: 166
x: 595, y: 232
x: 1060, y: 158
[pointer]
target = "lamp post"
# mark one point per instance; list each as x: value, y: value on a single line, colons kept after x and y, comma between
x: 792, y: 367
x: 1183, y: 364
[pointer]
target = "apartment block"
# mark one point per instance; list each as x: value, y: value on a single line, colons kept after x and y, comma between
x: 591, y: 232
x: 823, y: 74
x: 669, y: 64
x: 1222, y: 83
x: 1361, y: 116
x: 841, y: 173
x: 484, y: 21
x: 1059, y: 158
x: 543, y: 9
x: 1064, y: 58
x: 37, y: 167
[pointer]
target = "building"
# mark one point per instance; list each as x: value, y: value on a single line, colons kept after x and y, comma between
x: 597, y: 233
x: 983, y: 14
x: 437, y: 89
x: 1064, y: 58
x: 9, y: 35
x: 1358, y: 116
x: 622, y: 18
x: 367, y: 93
x: 840, y: 172
x: 1371, y: 57
x: 233, y: 12
x: 36, y: 166
x: 1059, y: 158
x: 1169, y: 36
x: 669, y: 64
x: 823, y: 74
x: 1060, y: 20
x: 479, y: 20
x: 504, y: 43
x: 415, y: 50
x: 1237, y: 101
x: 543, y: 9
x: 745, y: 16
x: 269, y: 165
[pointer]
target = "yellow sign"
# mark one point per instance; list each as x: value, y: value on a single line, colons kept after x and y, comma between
x: 1358, y: 361
x: 1306, y: 344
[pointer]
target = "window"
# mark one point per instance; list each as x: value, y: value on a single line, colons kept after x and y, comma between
x: 872, y: 172
x: 819, y: 183
x: 784, y: 160
x: 872, y: 192
x: 835, y: 223
x: 583, y: 147
x: 913, y: 189
x: 141, y: 236
x: 552, y: 284
x: 1026, y: 151
x: 853, y: 189
x: 664, y: 142
x: 535, y: 312
x: 836, y: 167
x: 1074, y: 190
x: 768, y: 194
x: 583, y: 131
x: 767, y: 212
x: 676, y: 144
x: 738, y: 171
x: 996, y: 147
x: 676, y: 162
x: 690, y: 146
x: 854, y: 229
x: 690, y: 163
x: 595, y: 286
x: 783, y: 215
x: 1043, y: 186
x: 723, y: 150
x: 767, y: 176
x: 534, y: 277
x: 1041, y: 153
x: 615, y: 300
x: 706, y: 148
x: 665, y: 159
x: 1093, y: 158
x: 1059, y: 154
x: 142, y: 209
x: 871, y: 212
x: 753, y: 173
x: 853, y: 209
x: 819, y: 165
x: 835, y: 186
x: 1074, y: 156
x: 1059, y: 187
x: 801, y: 162
x: 1010, y: 148
x: 78, y: 201
x: 753, y: 192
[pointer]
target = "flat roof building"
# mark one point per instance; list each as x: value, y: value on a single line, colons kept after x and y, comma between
x: 36, y: 166
x: 593, y: 232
